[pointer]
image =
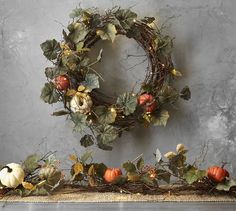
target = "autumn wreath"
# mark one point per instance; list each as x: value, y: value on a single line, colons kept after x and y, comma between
x: 74, y: 81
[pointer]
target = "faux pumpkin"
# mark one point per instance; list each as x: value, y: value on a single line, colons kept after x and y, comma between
x: 148, y: 102
x: 111, y: 174
x: 81, y: 102
x: 12, y: 175
x: 62, y: 82
x: 217, y: 174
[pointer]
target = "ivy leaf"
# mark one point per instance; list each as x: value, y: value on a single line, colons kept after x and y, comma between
x: 163, y: 175
x: 50, y: 49
x: 147, y: 180
x: 168, y: 95
x: 77, y: 12
x: 185, y: 93
x: 128, y: 102
x: 177, y: 164
x: 91, y: 81
x: 86, y: 141
x: 53, y: 72
x: 49, y: 93
x: 108, y: 32
x: 54, y: 178
x: 79, y: 121
x: 226, y: 185
x: 159, y: 119
x: 140, y: 164
x: 31, y: 163
x: 158, y: 155
x: 105, y: 115
x: 126, y: 17
x: 120, y: 180
x: 129, y: 167
x: 87, y: 155
x: 106, y: 135
x: 193, y: 174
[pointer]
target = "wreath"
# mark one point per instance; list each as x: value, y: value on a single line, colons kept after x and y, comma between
x: 74, y: 81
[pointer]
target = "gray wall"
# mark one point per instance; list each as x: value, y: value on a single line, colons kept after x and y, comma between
x: 205, y: 52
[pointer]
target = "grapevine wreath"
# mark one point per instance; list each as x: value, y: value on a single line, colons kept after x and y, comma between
x: 74, y: 81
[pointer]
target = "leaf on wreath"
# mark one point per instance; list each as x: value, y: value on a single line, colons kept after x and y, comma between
x: 92, y: 181
x: 120, y: 180
x: 91, y: 81
x: 147, y: 180
x: 54, y: 178
x: 91, y: 170
x: 163, y: 175
x: 31, y: 163
x: 86, y: 156
x: 77, y: 12
x: 126, y: 18
x: 193, y: 174
x: 60, y: 113
x: 108, y: 32
x: 176, y: 73
x: 78, y: 168
x: 158, y: 155
x: 100, y: 169
x: 28, y: 185
x: 148, y: 20
x: 177, y: 164
x: 140, y: 163
x: 157, y: 119
x: 165, y: 45
x: 129, y: 167
x: 53, y: 72
x: 49, y: 93
x: 86, y: 140
x: 73, y: 157
x: 79, y: 121
x: 79, y: 33
x: 226, y: 185
x: 105, y: 115
x: 168, y: 95
x: 106, y: 135
x: 133, y: 176
x: 185, y: 93
x: 50, y: 49
x: 128, y: 102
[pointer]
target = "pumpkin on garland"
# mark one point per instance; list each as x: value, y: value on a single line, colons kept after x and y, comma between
x: 74, y: 81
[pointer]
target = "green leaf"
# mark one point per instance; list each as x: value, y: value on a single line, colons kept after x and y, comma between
x: 79, y: 121
x: 128, y: 102
x: 177, y: 164
x: 193, y: 175
x: 60, y: 113
x: 140, y: 164
x: 79, y: 33
x: 91, y: 81
x: 106, y: 135
x: 31, y: 163
x: 87, y: 155
x: 77, y: 12
x: 105, y: 115
x: 226, y: 185
x: 50, y: 49
x: 86, y: 140
x: 163, y: 175
x: 108, y: 32
x: 54, y: 178
x: 100, y: 169
x: 126, y: 17
x: 129, y: 167
x: 120, y: 180
x: 53, y: 72
x: 168, y: 95
x: 157, y: 119
x: 185, y: 93
x: 147, y: 180
x: 49, y: 93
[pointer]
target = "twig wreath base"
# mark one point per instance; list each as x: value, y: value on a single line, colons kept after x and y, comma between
x: 74, y: 80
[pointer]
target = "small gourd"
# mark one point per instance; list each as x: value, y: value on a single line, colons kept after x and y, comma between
x: 111, y: 174
x: 217, y: 174
x: 12, y: 175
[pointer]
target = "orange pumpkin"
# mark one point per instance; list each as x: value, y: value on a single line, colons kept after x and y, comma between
x: 62, y: 82
x: 148, y: 101
x: 111, y: 174
x: 217, y: 174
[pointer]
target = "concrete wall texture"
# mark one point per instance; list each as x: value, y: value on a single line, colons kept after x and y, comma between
x: 205, y: 52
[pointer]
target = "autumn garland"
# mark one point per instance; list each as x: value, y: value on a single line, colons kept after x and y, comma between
x: 42, y: 176
x: 74, y: 81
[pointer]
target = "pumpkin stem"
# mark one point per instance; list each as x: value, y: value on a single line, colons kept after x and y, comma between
x: 9, y: 170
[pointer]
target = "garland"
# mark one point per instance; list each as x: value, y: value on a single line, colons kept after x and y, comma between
x: 74, y: 81
x: 42, y: 176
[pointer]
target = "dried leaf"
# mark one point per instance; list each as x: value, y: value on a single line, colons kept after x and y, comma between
x: 28, y: 185
x: 78, y: 168
x: 86, y: 140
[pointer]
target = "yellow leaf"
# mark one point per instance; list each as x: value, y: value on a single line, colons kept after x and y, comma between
x: 71, y: 92
x: 28, y: 185
x: 176, y: 73
x: 73, y: 157
x: 170, y: 155
x: 78, y: 168
x: 81, y: 88
x: 91, y: 171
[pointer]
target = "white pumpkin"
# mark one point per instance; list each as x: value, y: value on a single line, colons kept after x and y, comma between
x: 12, y: 175
x: 81, y: 102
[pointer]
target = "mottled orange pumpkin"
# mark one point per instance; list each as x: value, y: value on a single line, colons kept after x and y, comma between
x: 217, y: 174
x: 62, y: 82
x: 148, y: 101
x: 111, y: 174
